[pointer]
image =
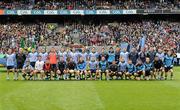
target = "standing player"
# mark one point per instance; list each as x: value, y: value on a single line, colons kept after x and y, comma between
x: 33, y: 57
x: 131, y: 70
x: 122, y: 65
x: 140, y: 70
x: 10, y: 63
x: 117, y: 54
x: 148, y: 69
x: 142, y: 55
x: 158, y: 68
x: 74, y: 55
x: 93, y: 53
x: 133, y: 55
x: 103, y: 68
x: 168, y: 64
x: 151, y: 54
x: 81, y: 68
x: 39, y: 68
x: 53, y: 62
x: 103, y: 54
x: 27, y: 70
x: 93, y: 65
x: 125, y: 55
x: 43, y: 54
x: 62, y: 53
x: 20, y: 59
x: 61, y: 69
x: 160, y: 54
x: 83, y: 54
x: 111, y: 56
x: 113, y: 70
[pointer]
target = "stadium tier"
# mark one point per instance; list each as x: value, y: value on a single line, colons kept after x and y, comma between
x: 88, y: 4
x: 89, y: 54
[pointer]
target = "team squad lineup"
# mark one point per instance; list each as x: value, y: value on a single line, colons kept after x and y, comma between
x: 72, y: 64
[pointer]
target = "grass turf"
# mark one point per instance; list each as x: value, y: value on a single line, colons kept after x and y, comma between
x: 90, y: 95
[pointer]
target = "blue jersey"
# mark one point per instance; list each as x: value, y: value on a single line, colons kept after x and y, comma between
x: 81, y: 65
x: 148, y: 66
x: 74, y: 56
x: 131, y: 68
x: 33, y: 57
x: 125, y: 56
x: 62, y: 55
x: 122, y: 66
x: 44, y: 56
x: 103, y: 65
x: 93, y: 65
x: 140, y: 67
x: 168, y: 61
x: 160, y: 56
x: 111, y: 57
x: 93, y: 55
x: 11, y: 60
x: 84, y: 55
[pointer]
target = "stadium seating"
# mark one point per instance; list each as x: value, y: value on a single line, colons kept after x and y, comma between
x: 90, y: 4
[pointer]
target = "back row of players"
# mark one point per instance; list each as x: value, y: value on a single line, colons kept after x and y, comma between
x: 68, y: 64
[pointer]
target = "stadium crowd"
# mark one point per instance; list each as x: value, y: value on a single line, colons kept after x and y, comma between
x: 137, y: 34
x: 134, y: 47
x: 89, y: 4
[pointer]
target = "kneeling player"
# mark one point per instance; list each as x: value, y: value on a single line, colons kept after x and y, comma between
x: 158, y: 68
x: 71, y: 68
x: 131, y: 70
x: 61, y: 69
x: 168, y: 64
x: 148, y: 69
x: 93, y: 65
x: 39, y: 68
x: 27, y: 70
x: 81, y: 68
x: 103, y: 68
x: 121, y: 68
x: 47, y: 69
x: 113, y: 70
x: 140, y: 70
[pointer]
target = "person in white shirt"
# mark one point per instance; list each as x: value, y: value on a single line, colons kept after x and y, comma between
x: 39, y: 67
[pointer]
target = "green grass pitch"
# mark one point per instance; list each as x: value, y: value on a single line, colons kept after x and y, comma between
x: 90, y: 95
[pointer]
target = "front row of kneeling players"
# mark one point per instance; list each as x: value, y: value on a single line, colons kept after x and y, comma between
x: 96, y: 70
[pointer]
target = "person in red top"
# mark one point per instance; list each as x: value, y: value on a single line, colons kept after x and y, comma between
x: 47, y: 68
x: 53, y: 61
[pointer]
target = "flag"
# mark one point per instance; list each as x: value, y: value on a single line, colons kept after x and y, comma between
x: 22, y: 42
x: 33, y: 45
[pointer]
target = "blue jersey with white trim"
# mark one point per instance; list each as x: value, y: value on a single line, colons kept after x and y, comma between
x: 148, y: 66
x: 11, y: 59
x: 122, y: 66
x: 111, y: 57
x: 93, y: 65
x: 33, y: 57
x: 81, y: 65
x: 140, y: 67
x: 168, y: 61
x: 131, y: 68
x: 103, y: 65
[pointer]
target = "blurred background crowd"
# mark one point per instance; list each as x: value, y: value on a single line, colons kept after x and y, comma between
x: 89, y: 4
x: 90, y: 31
